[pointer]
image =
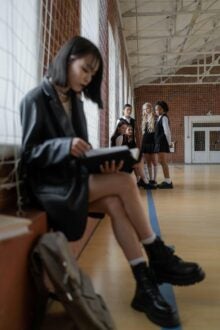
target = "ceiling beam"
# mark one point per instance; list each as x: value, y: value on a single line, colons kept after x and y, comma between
x: 159, y: 80
x: 200, y: 35
x: 169, y: 13
x: 192, y: 53
x: 208, y: 68
x: 217, y: 82
x: 159, y: 75
x: 182, y: 66
x: 191, y: 25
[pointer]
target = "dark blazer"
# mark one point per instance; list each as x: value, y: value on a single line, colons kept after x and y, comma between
x: 54, y: 177
x: 161, y: 144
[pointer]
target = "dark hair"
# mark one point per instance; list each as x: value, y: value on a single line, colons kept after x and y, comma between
x: 127, y: 105
x: 116, y: 133
x: 78, y: 47
x: 163, y: 105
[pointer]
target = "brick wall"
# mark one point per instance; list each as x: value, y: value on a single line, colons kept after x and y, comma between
x: 183, y: 100
x: 109, y: 14
x: 64, y: 25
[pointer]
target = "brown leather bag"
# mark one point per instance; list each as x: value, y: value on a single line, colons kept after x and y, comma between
x: 73, y: 287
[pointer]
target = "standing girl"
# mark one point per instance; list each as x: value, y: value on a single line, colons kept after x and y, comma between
x: 148, y: 144
x: 142, y: 181
x: 163, y: 142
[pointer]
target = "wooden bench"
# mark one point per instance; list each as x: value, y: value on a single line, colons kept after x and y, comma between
x: 16, y: 288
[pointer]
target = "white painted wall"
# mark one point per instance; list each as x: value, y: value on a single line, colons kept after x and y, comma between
x: 90, y: 30
x: 112, y: 81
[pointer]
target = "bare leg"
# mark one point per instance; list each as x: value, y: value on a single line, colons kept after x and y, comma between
x: 136, y: 172
x: 123, y: 230
x: 163, y: 162
x: 140, y: 170
x: 147, y: 296
x: 123, y: 186
x: 154, y: 161
x: 149, y: 165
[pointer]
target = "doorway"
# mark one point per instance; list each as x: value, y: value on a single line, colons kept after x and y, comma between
x: 205, y: 144
x: 202, y: 139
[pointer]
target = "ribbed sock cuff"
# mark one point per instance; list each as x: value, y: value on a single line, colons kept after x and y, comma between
x: 149, y: 240
x: 136, y: 261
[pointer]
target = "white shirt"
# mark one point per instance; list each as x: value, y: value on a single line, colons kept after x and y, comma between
x: 127, y: 119
x: 119, y: 140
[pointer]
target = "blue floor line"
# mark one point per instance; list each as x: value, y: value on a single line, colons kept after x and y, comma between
x: 165, y: 289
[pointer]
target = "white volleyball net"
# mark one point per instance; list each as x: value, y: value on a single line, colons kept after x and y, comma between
x: 31, y: 33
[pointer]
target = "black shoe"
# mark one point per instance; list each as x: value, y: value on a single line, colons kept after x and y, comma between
x: 141, y: 183
x: 150, y: 186
x: 149, y: 300
x: 165, y: 185
x: 146, y: 186
x: 170, y: 268
x: 153, y: 182
x: 53, y: 296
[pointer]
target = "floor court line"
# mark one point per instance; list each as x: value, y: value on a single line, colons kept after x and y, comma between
x: 166, y: 289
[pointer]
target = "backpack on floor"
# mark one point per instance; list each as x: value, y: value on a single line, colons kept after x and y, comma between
x: 73, y: 287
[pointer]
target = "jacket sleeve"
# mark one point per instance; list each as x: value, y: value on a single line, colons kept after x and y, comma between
x: 37, y: 150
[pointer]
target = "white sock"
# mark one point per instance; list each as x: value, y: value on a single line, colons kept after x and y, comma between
x: 155, y: 173
x: 150, y: 171
x: 167, y: 180
x: 136, y: 261
x: 149, y: 240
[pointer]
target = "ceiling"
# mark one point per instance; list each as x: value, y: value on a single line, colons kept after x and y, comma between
x: 172, y: 41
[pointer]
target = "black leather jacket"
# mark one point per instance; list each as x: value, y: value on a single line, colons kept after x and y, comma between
x: 54, y: 177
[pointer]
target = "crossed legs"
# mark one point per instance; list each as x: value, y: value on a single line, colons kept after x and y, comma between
x: 118, y: 196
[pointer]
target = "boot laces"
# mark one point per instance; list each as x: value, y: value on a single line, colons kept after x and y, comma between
x: 167, y: 252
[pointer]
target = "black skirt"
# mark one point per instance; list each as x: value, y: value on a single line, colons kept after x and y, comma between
x: 162, y: 146
x: 148, y: 144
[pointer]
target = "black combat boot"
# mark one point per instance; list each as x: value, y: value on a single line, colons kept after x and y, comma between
x: 149, y: 300
x: 170, y: 268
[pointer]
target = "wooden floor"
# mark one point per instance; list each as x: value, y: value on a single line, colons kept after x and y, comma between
x: 189, y: 219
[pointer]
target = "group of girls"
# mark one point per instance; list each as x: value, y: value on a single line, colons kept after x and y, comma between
x: 156, y: 142
x: 124, y: 135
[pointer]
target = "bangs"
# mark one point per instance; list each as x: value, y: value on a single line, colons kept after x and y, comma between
x: 94, y: 62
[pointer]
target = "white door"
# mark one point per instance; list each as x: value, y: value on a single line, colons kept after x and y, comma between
x: 199, y: 145
x: 214, y: 145
x: 206, y: 145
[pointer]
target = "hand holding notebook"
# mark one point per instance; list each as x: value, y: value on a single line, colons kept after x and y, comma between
x: 94, y: 158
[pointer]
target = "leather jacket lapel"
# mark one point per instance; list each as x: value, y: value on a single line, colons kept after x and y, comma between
x: 57, y: 109
x: 61, y: 117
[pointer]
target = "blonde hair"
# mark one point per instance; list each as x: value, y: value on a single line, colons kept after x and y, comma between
x: 148, y: 118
